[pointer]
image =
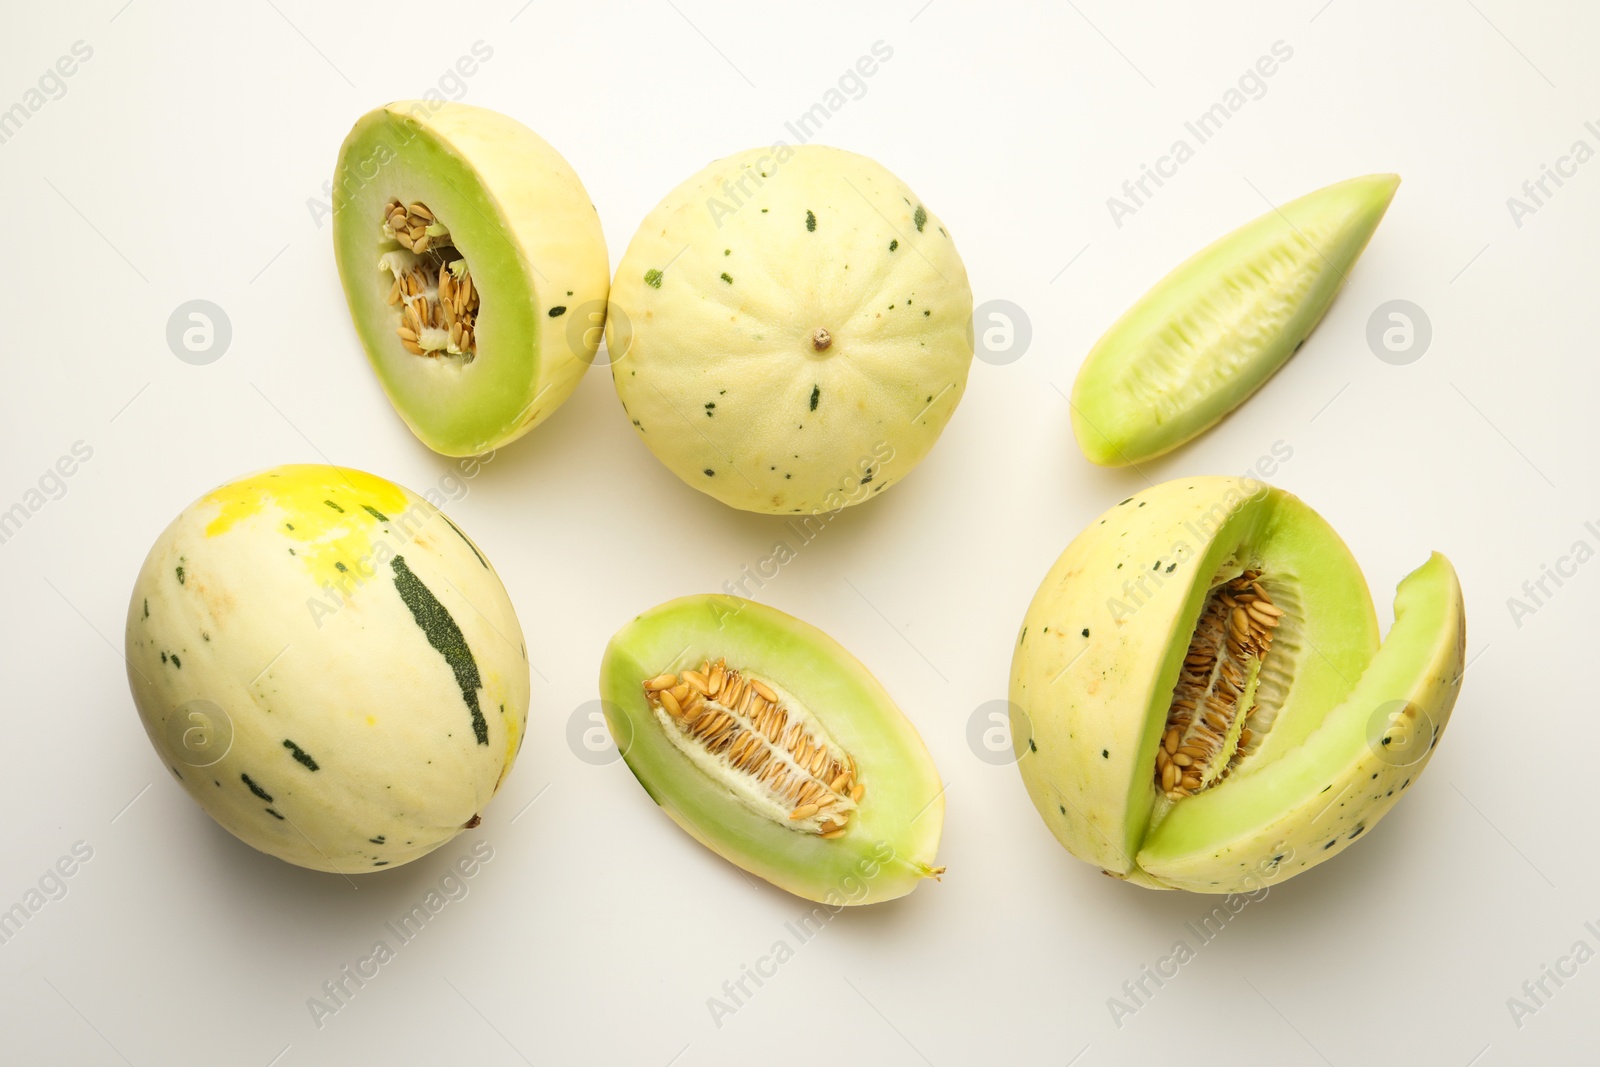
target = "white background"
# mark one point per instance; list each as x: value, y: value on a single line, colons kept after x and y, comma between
x: 182, y: 163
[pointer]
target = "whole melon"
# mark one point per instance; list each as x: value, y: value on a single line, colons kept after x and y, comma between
x: 790, y: 330
x: 329, y: 666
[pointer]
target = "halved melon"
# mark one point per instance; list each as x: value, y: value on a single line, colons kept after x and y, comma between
x: 474, y: 266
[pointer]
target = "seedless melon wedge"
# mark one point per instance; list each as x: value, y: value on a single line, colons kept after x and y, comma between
x: 474, y: 266
x: 1215, y: 329
x: 775, y: 748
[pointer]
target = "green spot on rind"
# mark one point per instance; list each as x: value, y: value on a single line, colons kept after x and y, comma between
x: 811, y: 222
x: 652, y: 278
x: 920, y: 217
x: 300, y: 754
x: 445, y: 637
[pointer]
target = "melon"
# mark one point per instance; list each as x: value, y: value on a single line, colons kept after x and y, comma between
x: 329, y: 666
x: 790, y: 330
x: 1212, y: 332
x: 474, y: 267
x: 770, y: 744
x: 1200, y: 699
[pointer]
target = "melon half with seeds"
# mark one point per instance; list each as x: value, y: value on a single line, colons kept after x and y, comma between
x: 329, y: 666
x: 1199, y: 697
x: 790, y: 330
x: 474, y: 267
x: 1214, y: 330
x: 775, y: 748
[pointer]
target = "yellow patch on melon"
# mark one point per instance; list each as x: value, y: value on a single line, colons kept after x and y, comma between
x: 323, y: 510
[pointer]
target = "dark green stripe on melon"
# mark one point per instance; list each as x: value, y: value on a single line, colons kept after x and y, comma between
x: 375, y: 513
x: 256, y: 789
x: 445, y: 637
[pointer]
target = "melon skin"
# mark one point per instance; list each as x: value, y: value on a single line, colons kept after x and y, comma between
x: 713, y: 318
x: 328, y: 666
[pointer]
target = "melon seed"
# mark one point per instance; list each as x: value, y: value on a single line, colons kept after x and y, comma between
x: 1232, y: 637
x: 432, y: 287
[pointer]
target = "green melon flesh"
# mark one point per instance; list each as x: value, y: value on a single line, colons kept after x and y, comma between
x: 1100, y: 654
x: 519, y: 216
x: 1310, y: 804
x: 1215, y: 329
x: 892, y: 838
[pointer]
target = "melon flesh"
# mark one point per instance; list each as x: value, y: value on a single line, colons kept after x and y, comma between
x: 1215, y: 329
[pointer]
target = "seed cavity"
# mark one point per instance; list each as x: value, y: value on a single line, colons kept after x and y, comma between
x: 759, y: 740
x: 432, y: 288
x: 1211, y: 725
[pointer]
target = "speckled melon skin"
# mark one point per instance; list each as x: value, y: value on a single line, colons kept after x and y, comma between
x: 712, y: 326
x: 354, y: 742
x: 1099, y: 654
